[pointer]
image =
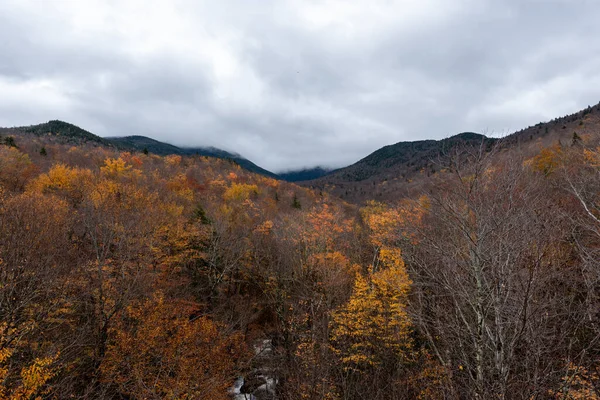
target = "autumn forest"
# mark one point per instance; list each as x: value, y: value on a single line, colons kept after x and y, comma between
x: 129, y: 275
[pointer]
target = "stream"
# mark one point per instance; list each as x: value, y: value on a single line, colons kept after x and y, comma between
x: 260, y: 383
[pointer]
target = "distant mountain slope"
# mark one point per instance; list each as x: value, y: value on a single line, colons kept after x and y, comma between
x: 393, y: 171
x: 388, y: 170
x: 304, y: 174
x: 139, y: 143
x: 411, y: 155
x: 73, y: 134
x: 58, y: 128
x: 581, y: 123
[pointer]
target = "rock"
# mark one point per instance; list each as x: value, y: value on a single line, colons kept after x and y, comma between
x: 252, y: 383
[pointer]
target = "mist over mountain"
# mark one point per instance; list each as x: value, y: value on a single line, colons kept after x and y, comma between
x: 304, y: 174
x: 70, y: 133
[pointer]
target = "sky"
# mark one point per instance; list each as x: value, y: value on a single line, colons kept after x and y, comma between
x: 297, y: 83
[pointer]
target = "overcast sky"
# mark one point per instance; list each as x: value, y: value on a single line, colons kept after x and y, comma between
x: 294, y: 83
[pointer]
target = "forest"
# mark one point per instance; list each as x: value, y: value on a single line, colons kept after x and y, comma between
x: 126, y: 275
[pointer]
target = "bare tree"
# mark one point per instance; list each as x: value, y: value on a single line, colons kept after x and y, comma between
x: 491, y: 292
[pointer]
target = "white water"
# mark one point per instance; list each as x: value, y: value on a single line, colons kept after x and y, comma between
x: 263, y: 351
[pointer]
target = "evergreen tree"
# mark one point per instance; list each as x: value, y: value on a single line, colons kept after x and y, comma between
x: 10, y: 141
x: 296, y: 202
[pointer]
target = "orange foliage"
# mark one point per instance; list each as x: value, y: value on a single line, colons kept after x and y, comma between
x: 163, y: 349
x: 579, y: 383
x: 548, y: 159
x: 15, y: 168
x: 592, y: 157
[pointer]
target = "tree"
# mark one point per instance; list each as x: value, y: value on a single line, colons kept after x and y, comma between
x: 32, y: 379
x: 490, y: 289
x: 578, y: 175
x: 371, y: 332
x: 16, y: 168
x: 164, y: 349
x: 34, y: 261
x: 296, y: 203
x: 10, y: 141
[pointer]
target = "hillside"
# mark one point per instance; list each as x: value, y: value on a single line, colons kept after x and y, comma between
x: 63, y: 132
x: 392, y: 168
x: 304, y: 174
x: 399, y: 169
x: 141, y: 143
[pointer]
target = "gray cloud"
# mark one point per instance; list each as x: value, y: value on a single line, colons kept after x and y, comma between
x: 297, y: 83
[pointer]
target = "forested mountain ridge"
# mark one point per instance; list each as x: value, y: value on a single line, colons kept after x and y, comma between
x: 394, y: 170
x: 59, y: 129
x: 141, y: 143
x: 69, y: 133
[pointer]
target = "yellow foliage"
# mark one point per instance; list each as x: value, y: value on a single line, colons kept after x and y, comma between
x: 35, y: 377
x: 103, y: 192
x: 15, y: 168
x: 63, y: 180
x: 373, y: 326
x: 179, y: 185
x: 240, y: 192
x: 388, y: 224
x: 32, y: 378
x: 115, y: 167
x: 172, y: 160
x: 383, y: 221
x: 592, y: 157
x: 548, y: 159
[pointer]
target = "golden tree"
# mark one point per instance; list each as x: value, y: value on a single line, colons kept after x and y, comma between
x: 373, y: 328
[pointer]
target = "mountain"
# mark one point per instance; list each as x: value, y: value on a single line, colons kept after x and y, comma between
x: 385, y: 174
x: 392, y: 168
x: 395, y: 170
x: 64, y: 131
x: 411, y: 155
x: 305, y: 174
x: 139, y: 143
x: 61, y: 129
